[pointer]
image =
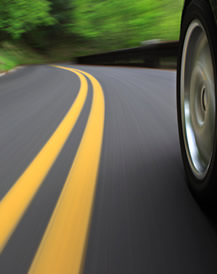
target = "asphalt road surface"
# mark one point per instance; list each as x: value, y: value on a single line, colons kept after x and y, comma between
x: 91, y: 176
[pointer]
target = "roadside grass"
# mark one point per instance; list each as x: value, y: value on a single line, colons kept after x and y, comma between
x: 7, y: 61
x: 13, y: 55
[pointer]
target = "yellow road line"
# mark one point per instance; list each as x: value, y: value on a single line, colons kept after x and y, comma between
x: 63, y: 245
x: 16, y: 201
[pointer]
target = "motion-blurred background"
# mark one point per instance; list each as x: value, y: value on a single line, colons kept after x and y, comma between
x: 44, y: 31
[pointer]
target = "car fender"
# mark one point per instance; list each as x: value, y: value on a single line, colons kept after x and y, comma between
x: 212, y: 3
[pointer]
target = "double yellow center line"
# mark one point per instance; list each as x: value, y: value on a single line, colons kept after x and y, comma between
x: 62, y: 247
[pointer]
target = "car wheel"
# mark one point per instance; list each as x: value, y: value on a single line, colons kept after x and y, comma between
x: 197, y: 100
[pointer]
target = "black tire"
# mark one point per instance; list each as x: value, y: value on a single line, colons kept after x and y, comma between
x: 204, y: 188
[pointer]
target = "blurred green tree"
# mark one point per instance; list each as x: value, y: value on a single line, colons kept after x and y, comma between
x: 19, y: 16
x: 88, y: 25
x: 118, y: 23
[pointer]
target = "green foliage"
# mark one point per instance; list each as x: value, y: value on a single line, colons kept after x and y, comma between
x: 111, y: 22
x: 86, y: 26
x: 62, y: 11
x: 122, y: 23
x: 19, y: 16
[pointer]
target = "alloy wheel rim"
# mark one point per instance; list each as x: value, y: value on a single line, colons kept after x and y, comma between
x: 197, y: 99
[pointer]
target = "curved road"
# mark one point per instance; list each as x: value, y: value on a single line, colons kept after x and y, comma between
x: 111, y: 137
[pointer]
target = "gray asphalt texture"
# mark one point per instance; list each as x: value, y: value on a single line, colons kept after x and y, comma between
x: 144, y: 219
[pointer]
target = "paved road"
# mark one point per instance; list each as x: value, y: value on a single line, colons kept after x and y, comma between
x: 136, y: 216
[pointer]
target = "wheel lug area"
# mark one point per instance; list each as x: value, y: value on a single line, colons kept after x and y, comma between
x: 201, y: 105
x: 204, y: 99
